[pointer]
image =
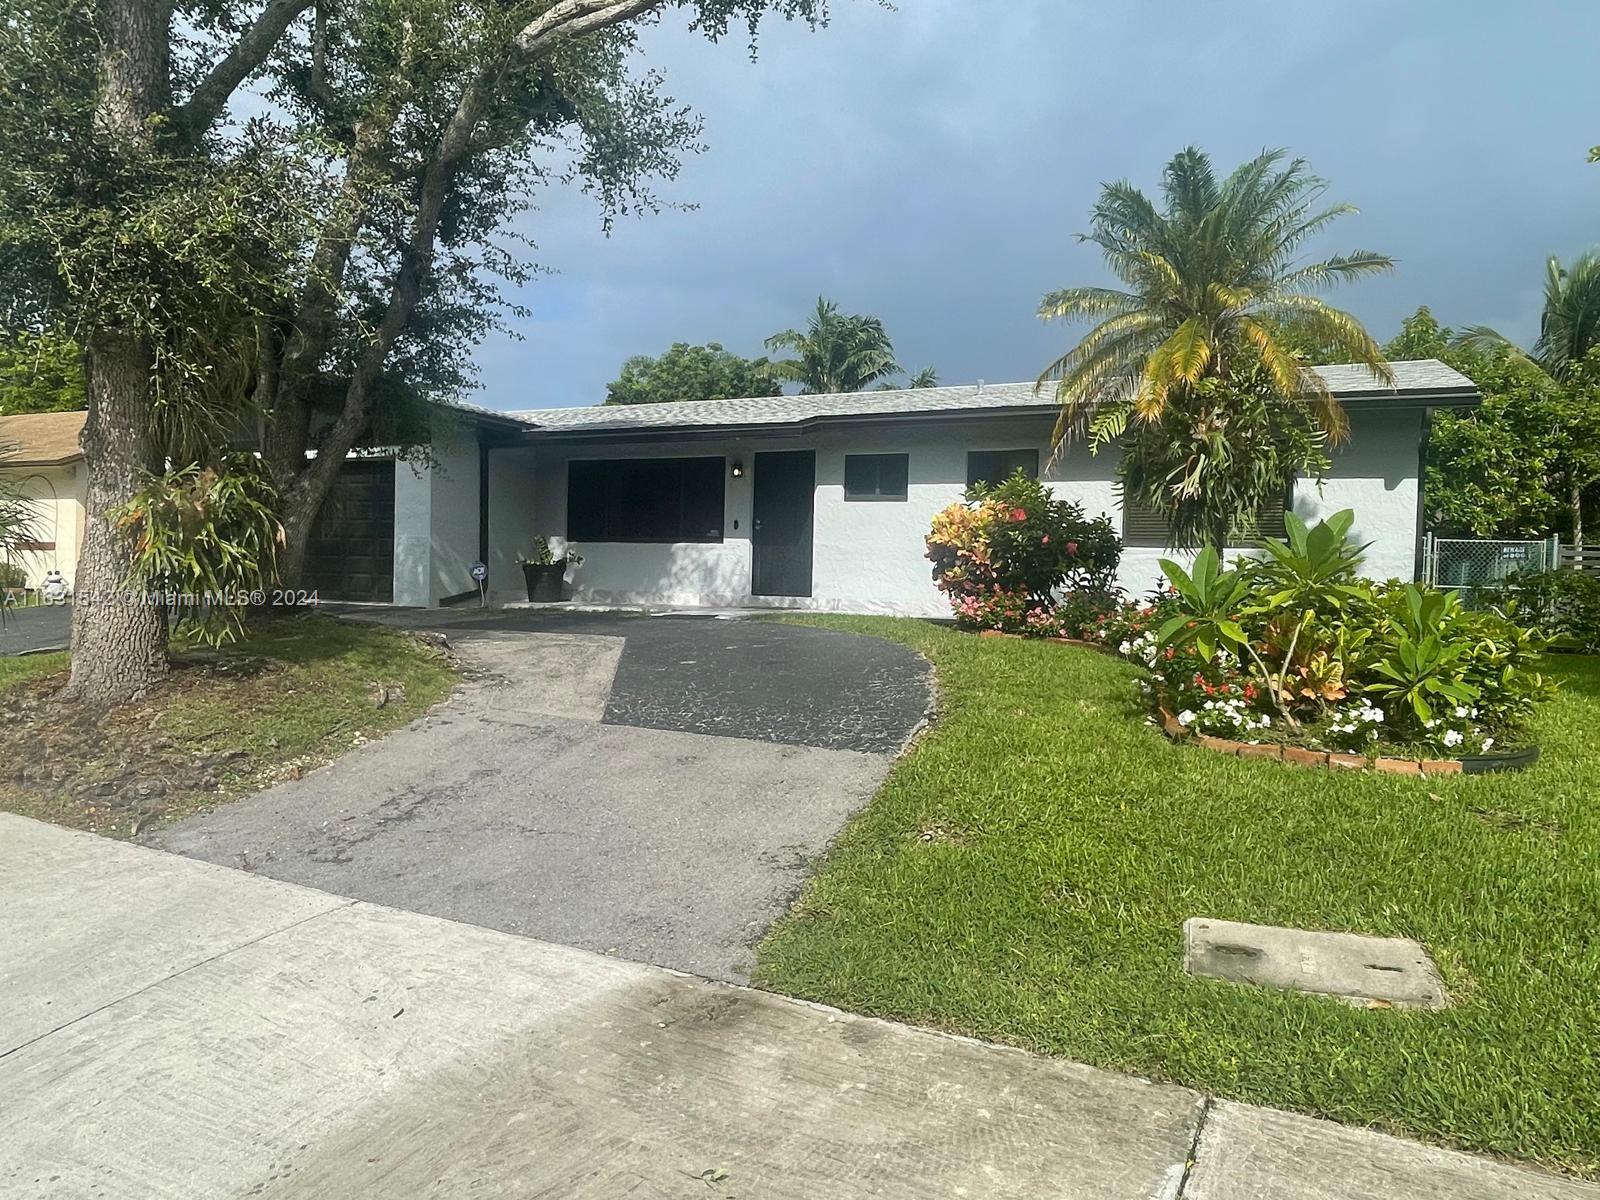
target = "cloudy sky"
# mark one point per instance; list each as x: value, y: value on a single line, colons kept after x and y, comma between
x: 932, y: 165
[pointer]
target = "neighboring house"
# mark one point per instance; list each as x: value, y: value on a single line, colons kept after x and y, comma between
x: 40, y: 452
x: 818, y: 502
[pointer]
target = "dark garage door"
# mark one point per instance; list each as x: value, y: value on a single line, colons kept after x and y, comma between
x: 351, y: 555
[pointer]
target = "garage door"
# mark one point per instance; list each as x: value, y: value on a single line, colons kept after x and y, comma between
x: 351, y: 555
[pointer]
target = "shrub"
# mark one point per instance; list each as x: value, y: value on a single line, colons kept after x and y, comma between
x: 209, y: 538
x: 12, y: 576
x: 1005, y: 554
x: 1296, y: 644
x: 1565, y: 603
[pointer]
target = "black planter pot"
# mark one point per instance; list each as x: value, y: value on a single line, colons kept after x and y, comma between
x: 544, y: 580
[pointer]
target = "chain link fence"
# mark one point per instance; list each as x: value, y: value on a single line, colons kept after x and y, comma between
x: 1471, y: 565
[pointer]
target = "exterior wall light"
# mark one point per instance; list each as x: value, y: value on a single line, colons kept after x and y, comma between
x: 737, y: 469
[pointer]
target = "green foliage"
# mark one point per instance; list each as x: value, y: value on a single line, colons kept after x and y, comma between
x: 1565, y: 603
x: 19, y: 515
x: 40, y: 372
x: 1208, y: 600
x: 208, y: 536
x: 1522, y: 464
x: 1198, y: 353
x: 12, y: 575
x: 541, y: 555
x: 836, y: 352
x: 1313, y: 567
x: 1295, y: 635
x: 1220, y: 453
x: 1002, y: 556
x: 688, y: 372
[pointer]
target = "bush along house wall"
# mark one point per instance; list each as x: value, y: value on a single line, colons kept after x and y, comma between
x: 1289, y: 656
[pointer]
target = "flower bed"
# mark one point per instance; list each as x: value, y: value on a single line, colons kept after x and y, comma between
x: 1293, y: 656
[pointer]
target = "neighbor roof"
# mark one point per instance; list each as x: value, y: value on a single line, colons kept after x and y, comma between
x: 41, y: 439
x: 1424, y: 383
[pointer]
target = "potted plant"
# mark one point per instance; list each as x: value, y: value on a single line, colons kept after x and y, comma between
x: 543, y: 571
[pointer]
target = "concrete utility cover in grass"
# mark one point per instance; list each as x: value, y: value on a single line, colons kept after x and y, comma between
x: 1348, y: 966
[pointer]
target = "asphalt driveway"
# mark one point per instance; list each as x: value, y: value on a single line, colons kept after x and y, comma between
x: 652, y: 788
x: 31, y: 630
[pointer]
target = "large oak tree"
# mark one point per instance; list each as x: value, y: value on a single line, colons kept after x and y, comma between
x: 268, y: 208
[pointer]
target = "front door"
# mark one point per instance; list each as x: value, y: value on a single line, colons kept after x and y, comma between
x: 786, y: 484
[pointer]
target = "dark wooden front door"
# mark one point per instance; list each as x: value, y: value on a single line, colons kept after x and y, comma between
x: 786, y: 484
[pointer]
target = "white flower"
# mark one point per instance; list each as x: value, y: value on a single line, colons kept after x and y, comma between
x: 1186, y: 717
x: 1124, y: 648
x: 1461, y: 711
x: 1487, y: 742
x: 1265, y: 720
x: 1453, y: 737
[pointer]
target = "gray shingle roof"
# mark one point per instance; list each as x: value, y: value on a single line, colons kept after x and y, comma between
x: 1421, y: 379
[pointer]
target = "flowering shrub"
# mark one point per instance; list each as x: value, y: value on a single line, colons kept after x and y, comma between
x: 1005, y: 555
x: 1295, y: 647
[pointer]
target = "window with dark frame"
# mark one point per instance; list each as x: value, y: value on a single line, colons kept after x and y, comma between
x: 996, y: 466
x: 1148, y: 529
x: 876, y: 476
x: 646, y: 499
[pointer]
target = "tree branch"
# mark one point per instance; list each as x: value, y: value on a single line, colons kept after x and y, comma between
x: 211, y: 95
x: 574, y: 18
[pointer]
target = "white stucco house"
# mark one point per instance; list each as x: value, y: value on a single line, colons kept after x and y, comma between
x: 815, y: 502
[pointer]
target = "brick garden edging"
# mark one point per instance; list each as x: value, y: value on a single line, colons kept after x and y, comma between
x: 1297, y: 755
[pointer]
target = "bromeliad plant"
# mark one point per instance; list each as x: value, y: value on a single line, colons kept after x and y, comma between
x: 205, y: 539
x: 1296, y: 642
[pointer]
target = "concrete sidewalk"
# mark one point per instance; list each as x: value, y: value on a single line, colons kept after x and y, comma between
x: 170, y: 1028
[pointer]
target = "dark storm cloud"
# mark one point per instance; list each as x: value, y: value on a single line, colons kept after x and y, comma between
x: 932, y: 165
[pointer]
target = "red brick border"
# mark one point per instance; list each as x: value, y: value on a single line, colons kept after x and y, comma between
x: 1302, y: 756
x: 1298, y: 755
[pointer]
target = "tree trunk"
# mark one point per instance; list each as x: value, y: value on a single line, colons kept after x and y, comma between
x: 298, y: 512
x: 1575, y: 499
x: 119, y: 638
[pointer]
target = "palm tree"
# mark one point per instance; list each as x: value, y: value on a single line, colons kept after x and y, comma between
x: 925, y: 378
x: 837, y: 352
x: 1569, y: 328
x: 1210, y: 277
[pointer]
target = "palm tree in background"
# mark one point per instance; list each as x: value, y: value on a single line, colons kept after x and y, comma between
x: 1210, y: 278
x: 837, y: 352
x: 1569, y: 325
x: 1569, y: 332
x: 925, y: 378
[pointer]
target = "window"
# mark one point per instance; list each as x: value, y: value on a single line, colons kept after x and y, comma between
x: 996, y: 466
x: 1146, y: 527
x: 645, y: 500
x: 876, y: 476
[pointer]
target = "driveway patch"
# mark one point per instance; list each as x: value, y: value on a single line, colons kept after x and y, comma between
x: 572, y: 793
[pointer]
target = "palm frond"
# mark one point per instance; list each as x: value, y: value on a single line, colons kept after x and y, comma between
x: 1340, y: 268
x: 1070, y: 304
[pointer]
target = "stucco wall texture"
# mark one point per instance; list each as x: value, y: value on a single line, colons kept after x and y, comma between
x: 867, y: 554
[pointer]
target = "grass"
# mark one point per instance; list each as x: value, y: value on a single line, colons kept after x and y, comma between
x: 1024, y: 874
x: 21, y: 668
x: 297, y: 692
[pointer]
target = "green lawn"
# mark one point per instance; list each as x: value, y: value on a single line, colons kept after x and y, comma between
x: 296, y: 692
x: 1025, y: 872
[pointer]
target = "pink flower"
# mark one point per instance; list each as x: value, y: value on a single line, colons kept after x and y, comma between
x: 1045, y: 541
x: 1072, y: 547
x: 1018, y: 514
